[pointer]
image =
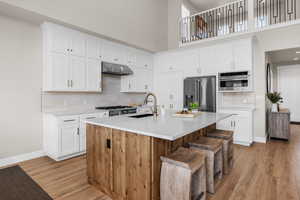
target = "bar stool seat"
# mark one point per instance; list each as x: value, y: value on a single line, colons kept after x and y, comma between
x: 183, y: 176
x: 228, y: 152
x: 212, y: 148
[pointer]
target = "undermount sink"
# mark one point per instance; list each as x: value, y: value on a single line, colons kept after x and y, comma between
x: 141, y: 116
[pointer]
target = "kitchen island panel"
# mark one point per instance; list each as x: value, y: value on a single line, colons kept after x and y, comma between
x: 127, y: 165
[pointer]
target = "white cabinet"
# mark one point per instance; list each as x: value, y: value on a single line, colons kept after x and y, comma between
x: 223, y: 60
x: 243, y: 55
x: 113, y: 53
x: 241, y: 123
x: 93, y: 48
x: 57, y: 74
x: 77, y: 43
x: 82, y: 143
x: 72, y: 62
x: 67, y: 60
x: 170, y: 90
x: 207, y: 61
x: 139, y: 82
x: 77, y: 72
x: 65, y: 136
x: 144, y: 60
x: 69, y: 139
x: 94, y: 74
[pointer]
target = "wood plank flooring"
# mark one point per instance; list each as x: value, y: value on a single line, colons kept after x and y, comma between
x: 263, y: 172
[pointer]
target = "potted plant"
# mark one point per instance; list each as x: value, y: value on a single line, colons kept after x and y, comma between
x: 275, y: 98
x: 194, y: 107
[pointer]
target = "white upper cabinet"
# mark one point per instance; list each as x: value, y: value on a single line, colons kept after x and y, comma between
x: 113, y: 53
x: 93, y: 48
x: 169, y: 95
x: 77, y: 73
x: 57, y: 38
x: 141, y: 64
x: 243, y: 55
x: 144, y: 60
x: 58, y: 72
x: 208, y: 61
x: 94, y: 75
x: 72, y: 62
x: 78, y: 44
x: 67, y: 65
x: 223, y: 58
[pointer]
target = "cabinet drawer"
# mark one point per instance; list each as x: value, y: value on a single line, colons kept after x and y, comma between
x: 68, y: 119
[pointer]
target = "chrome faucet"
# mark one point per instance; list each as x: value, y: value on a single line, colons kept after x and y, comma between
x: 154, y: 111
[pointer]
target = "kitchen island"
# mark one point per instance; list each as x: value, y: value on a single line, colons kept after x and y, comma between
x: 123, y: 153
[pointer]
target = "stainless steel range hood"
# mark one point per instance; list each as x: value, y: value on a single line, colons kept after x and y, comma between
x: 115, y: 69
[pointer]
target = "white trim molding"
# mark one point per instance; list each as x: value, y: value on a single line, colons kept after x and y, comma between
x: 260, y: 139
x: 20, y: 158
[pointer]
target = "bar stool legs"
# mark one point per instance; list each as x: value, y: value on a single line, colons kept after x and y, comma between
x: 183, y: 176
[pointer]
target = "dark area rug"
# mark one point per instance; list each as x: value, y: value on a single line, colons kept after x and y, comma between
x: 15, y: 184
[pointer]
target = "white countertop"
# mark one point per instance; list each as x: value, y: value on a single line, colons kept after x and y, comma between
x: 73, y: 111
x: 164, y: 127
x: 239, y: 108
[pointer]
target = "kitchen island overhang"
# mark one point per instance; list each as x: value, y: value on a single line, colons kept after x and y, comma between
x: 123, y: 153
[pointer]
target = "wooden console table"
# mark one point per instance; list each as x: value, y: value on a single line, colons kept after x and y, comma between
x: 279, y: 124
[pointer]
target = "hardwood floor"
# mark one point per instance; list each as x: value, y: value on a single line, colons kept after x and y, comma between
x: 263, y: 172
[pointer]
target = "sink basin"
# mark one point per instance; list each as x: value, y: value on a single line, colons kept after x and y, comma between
x: 141, y: 116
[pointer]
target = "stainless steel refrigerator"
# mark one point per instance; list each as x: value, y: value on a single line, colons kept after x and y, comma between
x: 201, y: 90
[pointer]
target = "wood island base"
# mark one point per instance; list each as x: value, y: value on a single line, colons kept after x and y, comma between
x: 127, y: 165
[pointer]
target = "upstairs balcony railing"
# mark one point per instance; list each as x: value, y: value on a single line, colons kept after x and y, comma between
x: 236, y: 17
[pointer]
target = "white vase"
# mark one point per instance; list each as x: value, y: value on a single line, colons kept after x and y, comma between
x: 274, y: 107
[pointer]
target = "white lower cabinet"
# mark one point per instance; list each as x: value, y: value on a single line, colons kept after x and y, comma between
x: 65, y: 136
x: 241, y: 122
x: 69, y: 139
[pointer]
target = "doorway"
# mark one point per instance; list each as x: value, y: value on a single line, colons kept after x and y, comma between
x: 283, y: 76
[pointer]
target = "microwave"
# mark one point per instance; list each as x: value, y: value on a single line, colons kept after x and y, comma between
x: 235, y: 81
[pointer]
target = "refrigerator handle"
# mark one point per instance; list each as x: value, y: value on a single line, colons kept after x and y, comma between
x: 199, y: 92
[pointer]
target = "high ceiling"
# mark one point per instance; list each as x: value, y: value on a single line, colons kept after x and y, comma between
x: 286, y: 56
x: 203, y: 5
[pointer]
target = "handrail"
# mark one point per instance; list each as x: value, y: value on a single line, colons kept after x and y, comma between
x: 236, y: 17
x: 227, y: 4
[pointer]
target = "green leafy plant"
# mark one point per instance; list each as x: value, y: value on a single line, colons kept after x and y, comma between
x: 275, y: 97
x: 194, y: 105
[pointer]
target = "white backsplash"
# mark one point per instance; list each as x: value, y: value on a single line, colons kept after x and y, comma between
x: 109, y: 96
x: 237, y: 99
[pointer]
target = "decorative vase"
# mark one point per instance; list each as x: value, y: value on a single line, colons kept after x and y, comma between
x: 274, y: 107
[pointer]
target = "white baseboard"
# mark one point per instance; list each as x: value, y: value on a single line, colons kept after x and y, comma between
x: 260, y: 139
x: 20, y: 158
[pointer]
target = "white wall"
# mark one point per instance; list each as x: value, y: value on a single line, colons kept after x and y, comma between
x: 20, y: 86
x: 174, y: 14
x: 288, y: 86
x: 271, y: 40
x: 142, y: 23
x: 21, y: 83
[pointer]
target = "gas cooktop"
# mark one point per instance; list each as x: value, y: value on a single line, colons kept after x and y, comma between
x: 118, y: 110
x: 112, y: 107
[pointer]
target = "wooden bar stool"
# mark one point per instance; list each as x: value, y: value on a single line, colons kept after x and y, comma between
x: 212, y: 148
x: 227, y: 137
x: 183, y: 176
